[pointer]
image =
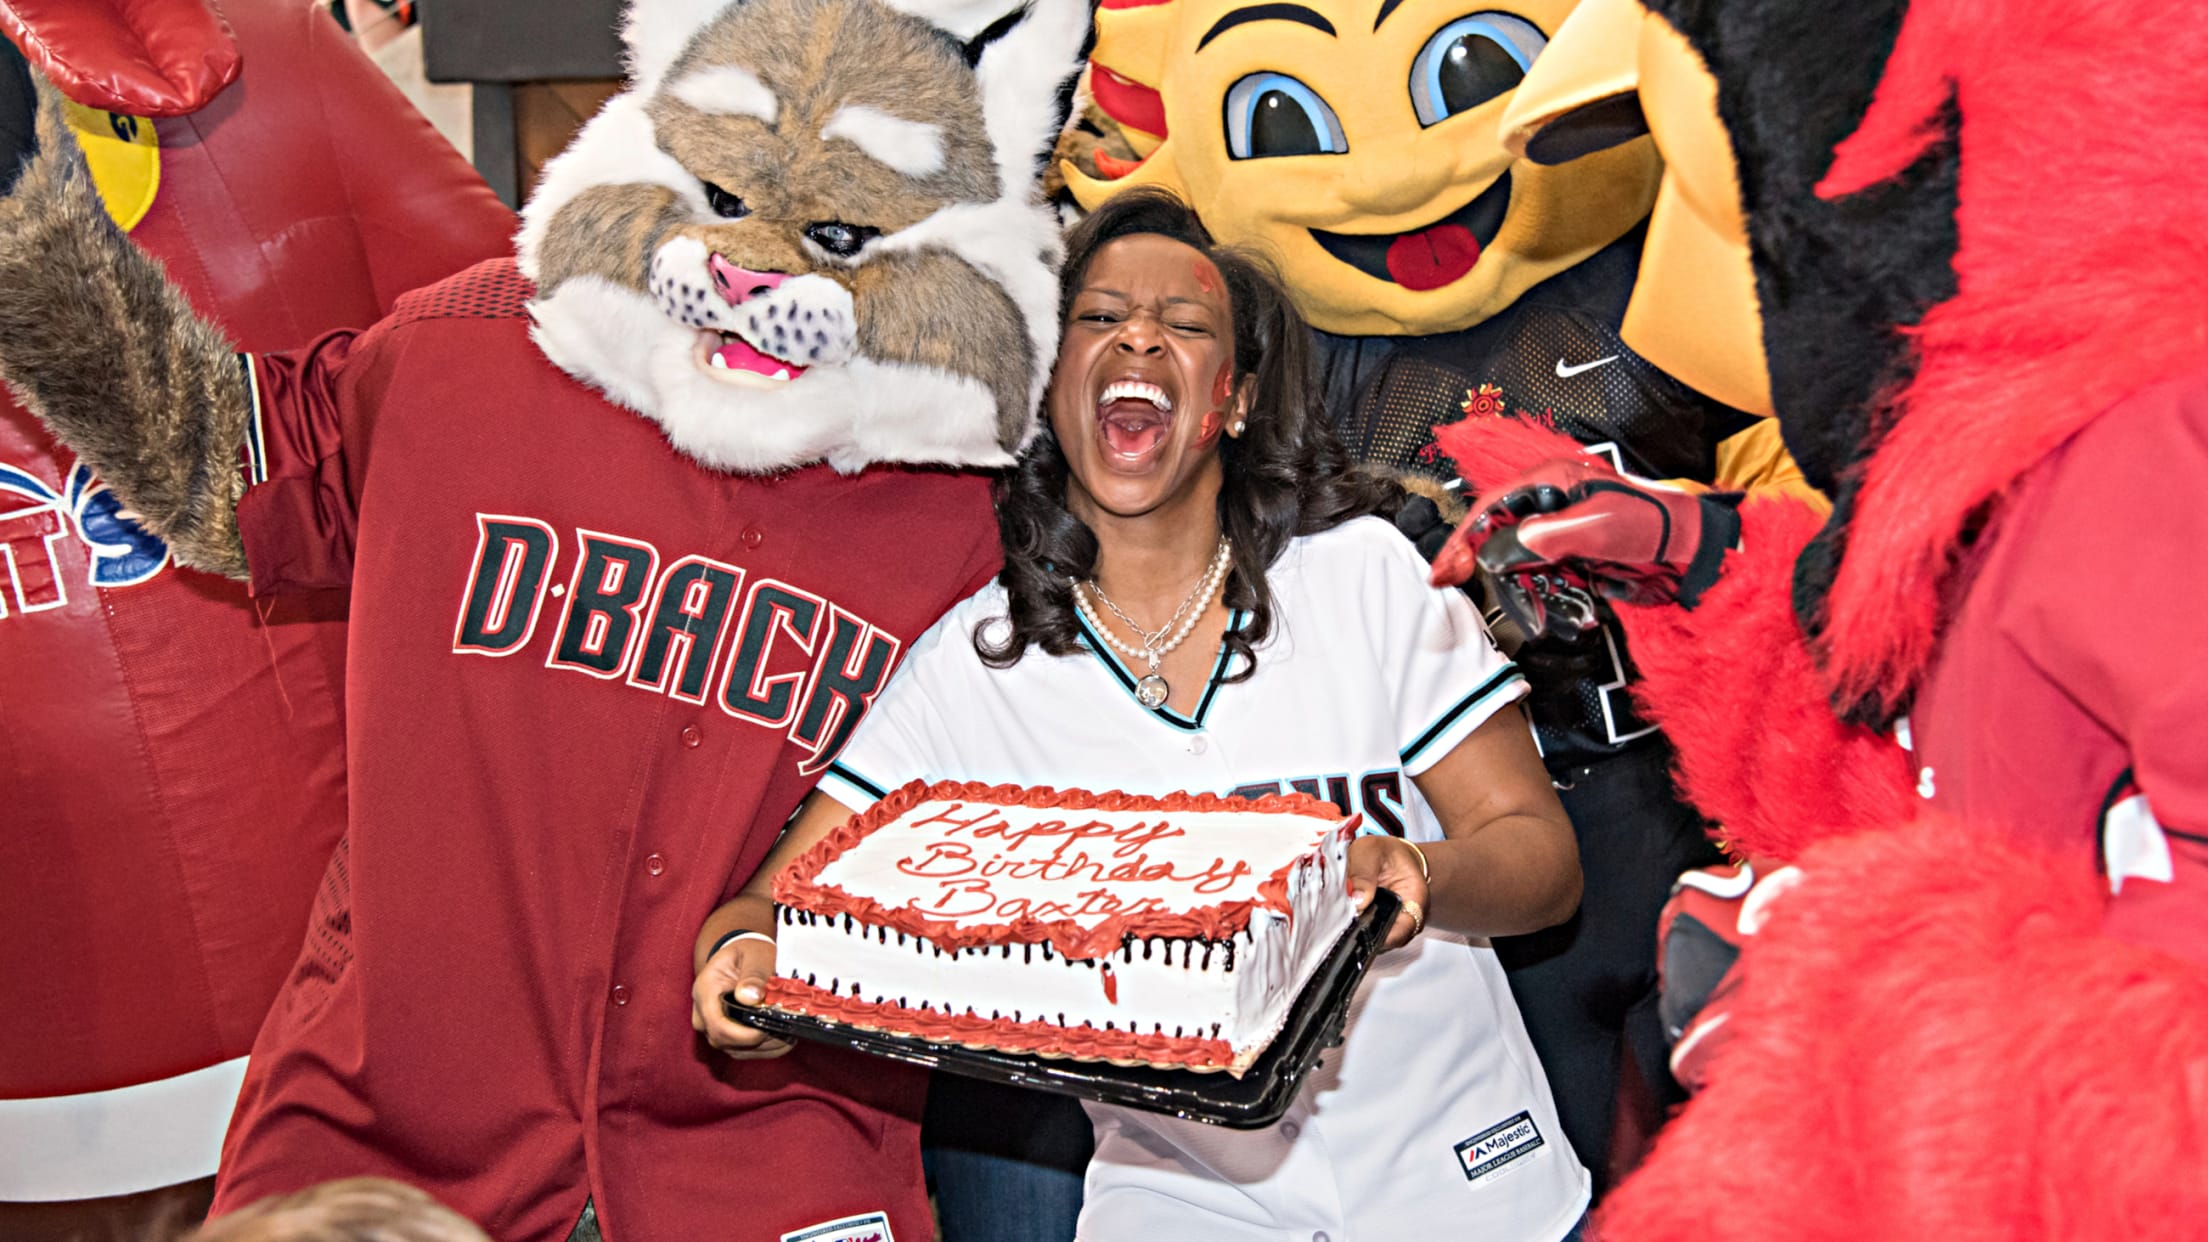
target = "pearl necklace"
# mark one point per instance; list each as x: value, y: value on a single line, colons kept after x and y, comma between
x: 1152, y: 691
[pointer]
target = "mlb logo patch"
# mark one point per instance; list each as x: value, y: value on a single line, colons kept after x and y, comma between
x: 1498, y: 1147
x: 872, y: 1227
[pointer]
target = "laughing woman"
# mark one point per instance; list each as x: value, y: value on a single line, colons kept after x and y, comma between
x: 1194, y: 598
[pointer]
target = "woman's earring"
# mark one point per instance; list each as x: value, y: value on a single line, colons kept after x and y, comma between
x: 1239, y: 424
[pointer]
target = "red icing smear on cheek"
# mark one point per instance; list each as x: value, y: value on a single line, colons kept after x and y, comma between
x: 1221, y: 387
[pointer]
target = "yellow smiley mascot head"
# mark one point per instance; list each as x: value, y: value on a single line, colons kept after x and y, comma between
x: 1358, y: 142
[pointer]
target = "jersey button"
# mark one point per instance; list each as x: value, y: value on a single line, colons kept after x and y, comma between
x: 620, y: 994
x: 691, y: 737
x: 1289, y: 1130
x: 752, y: 537
x: 1197, y: 745
x: 655, y: 864
x: 1321, y: 1236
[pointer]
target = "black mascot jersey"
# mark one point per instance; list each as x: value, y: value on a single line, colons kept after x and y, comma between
x: 1555, y: 353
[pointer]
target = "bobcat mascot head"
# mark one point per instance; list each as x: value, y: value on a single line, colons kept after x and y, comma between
x: 810, y: 229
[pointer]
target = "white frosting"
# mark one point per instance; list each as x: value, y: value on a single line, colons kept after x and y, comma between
x: 1171, y: 987
x: 981, y: 864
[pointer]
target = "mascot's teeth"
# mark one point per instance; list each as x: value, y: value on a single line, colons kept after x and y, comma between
x: 730, y: 353
x: 1131, y: 390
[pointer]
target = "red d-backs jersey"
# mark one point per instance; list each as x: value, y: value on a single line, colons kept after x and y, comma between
x: 588, y: 683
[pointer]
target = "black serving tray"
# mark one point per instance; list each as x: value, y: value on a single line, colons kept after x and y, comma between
x: 1256, y: 1099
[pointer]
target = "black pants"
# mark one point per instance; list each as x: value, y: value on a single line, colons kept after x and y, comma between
x: 1587, y: 987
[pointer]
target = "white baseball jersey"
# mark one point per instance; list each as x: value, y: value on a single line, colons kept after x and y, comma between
x: 1433, y: 1119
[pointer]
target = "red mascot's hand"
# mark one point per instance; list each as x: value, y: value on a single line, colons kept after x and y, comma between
x: 1712, y: 913
x: 1573, y: 519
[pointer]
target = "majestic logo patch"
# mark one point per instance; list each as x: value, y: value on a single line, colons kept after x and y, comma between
x: 872, y: 1227
x: 1498, y: 1147
x: 122, y: 554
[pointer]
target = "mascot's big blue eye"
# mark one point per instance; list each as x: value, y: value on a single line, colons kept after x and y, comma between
x: 1273, y: 114
x: 1470, y: 61
x: 724, y: 203
x: 840, y: 239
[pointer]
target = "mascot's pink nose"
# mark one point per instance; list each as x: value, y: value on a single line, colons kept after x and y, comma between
x: 740, y: 284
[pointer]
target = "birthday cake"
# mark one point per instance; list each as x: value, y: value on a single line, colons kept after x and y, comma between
x: 1171, y: 931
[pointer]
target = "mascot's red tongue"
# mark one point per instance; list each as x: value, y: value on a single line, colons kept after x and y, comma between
x: 1431, y: 258
x: 738, y: 355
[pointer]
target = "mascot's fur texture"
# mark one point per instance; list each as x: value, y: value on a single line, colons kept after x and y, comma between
x: 895, y: 307
x: 160, y: 414
x: 732, y: 151
x: 1934, y: 1041
x: 1982, y: 234
x: 1977, y: 227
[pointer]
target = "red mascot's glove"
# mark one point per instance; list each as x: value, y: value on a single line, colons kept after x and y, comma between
x: 1699, y: 936
x: 1573, y: 523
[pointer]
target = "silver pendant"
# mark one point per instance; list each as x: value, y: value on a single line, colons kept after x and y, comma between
x: 1152, y: 691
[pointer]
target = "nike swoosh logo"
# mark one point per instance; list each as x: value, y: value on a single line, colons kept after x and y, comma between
x: 1564, y: 371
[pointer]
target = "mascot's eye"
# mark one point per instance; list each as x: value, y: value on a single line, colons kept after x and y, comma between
x: 841, y: 240
x: 1470, y: 61
x: 724, y: 203
x: 1272, y: 114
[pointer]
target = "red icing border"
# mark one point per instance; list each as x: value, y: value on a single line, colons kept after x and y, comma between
x: 1002, y: 1034
x: 798, y: 886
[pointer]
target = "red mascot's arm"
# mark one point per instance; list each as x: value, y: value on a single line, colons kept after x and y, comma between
x: 141, y: 57
x: 1731, y: 682
x: 1734, y: 686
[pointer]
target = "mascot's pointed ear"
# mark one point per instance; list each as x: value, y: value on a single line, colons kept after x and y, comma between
x: 1024, y: 60
x: 974, y: 47
x: 656, y: 31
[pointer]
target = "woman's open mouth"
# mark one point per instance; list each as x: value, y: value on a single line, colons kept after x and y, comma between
x: 729, y: 357
x: 1133, y: 417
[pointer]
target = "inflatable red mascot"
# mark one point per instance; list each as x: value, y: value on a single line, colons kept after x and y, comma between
x: 1966, y: 719
x: 171, y: 760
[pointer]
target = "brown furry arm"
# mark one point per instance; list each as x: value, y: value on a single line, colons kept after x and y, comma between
x: 97, y: 343
x: 932, y: 308
x: 608, y: 231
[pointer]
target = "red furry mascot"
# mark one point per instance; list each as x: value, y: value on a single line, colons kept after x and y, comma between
x: 172, y: 771
x: 1970, y: 238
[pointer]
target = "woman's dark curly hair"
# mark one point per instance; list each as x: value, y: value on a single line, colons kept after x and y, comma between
x: 1286, y: 475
